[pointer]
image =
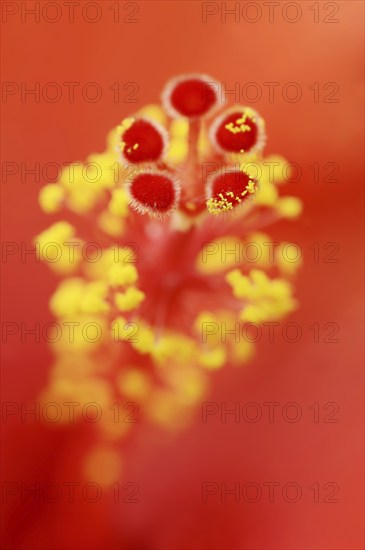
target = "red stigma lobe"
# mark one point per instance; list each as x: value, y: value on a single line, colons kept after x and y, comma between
x: 154, y: 192
x: 143, y: 141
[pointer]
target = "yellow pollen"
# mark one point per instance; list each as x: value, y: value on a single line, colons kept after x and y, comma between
x: 125, y: 124
x: 251, y: 186
x: 216, y: 206
x: 241, y: 126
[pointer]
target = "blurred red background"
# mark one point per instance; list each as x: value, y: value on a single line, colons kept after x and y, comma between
x: 171, y: 38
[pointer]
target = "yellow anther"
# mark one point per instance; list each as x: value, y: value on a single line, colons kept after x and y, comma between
x: 125, y: 124
x: 111, y: 224
x: 51, y: 197
x: 265, y: 299
x: 93, y: 298
x: 177, y: 150
x: 289, y: 207
x: 240, y: 284
x: 133, y: 384
x: 287, y: 260
x: 213, y: 359
x: 118, y: 204
x: 65, y: 301
x: 154, y: 112
x: 144, y: 339
x: 58, y: 233
x: 122, y: 275
x: 129, y: 300
x: 179, y: 128
x: 267, y: 195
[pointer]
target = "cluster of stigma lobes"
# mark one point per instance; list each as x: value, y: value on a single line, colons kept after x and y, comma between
x: 165, y: 180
